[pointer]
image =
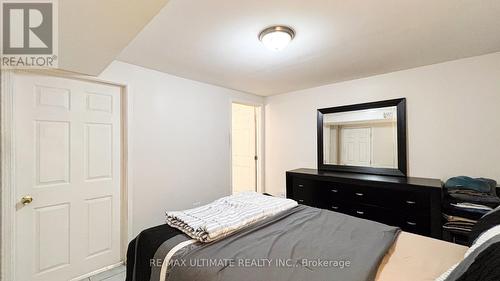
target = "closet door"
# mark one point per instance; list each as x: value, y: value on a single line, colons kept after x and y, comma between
x: 68, y: 165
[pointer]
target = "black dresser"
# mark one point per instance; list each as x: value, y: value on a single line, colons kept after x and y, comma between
x: 414, y: 204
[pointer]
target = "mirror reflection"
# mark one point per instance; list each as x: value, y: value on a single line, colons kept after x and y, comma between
x: 365, y: 138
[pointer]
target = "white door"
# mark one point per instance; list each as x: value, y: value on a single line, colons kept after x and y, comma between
x: 244, y: 147
x: 356, y: 146
x: 67, y: 143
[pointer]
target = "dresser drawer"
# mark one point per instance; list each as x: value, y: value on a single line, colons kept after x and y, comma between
x: 299, y: 183
x: 415, y: 203
x: 403, y: 201
x: 332, y: 192
x: 303, y: 196
x: 371, y: 196
x: 382, y: 215
x: 339, y: 207
x: 415, y: 224
x: 304, y: 192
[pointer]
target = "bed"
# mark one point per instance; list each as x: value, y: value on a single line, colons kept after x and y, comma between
x: 375, y: 252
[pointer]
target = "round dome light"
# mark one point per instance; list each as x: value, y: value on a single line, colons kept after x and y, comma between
x: 277, y: 37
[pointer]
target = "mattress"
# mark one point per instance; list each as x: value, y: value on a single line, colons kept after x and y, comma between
x: 417, y: 258
x: 410, y: 258
x: 302, y: 243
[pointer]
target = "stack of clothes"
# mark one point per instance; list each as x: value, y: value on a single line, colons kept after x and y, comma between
x: 466, y: 201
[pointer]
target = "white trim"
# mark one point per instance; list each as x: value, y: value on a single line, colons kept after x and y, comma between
x: 260, y: 141
x: 8, y: 199
x: 87, y: 275
x: 260, y: 148
x: 7, y: 176
x: 127, y: 232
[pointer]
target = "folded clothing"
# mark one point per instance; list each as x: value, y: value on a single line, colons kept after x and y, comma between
x: 482, y: 185
x: 453, y: 207
x: 449, y: 218
x: 474, y: 197
x: 458, y: 227
x: 458, y: 224
x: 467, y: 205
x: 227, y: 215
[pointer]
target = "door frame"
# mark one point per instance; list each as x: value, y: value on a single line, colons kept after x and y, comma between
x: 8, y: 172
x: 260, y: 130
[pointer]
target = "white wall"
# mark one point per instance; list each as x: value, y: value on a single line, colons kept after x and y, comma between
x: 180, y: 147
x: 453, y: 119
x: 180, y: 129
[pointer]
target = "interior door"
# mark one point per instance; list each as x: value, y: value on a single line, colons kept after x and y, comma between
x: 356, y: 146
x: 244, y: 148
x: 67, y: 143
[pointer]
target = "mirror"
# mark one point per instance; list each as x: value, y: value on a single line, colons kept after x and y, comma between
x: 361, y: 138
x: 366, y: 138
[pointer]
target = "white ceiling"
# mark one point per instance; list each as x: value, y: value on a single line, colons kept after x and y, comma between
x: 215, y: 41
x: 93, y: 32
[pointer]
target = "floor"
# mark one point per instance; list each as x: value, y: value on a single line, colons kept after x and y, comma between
x: 115, y: 274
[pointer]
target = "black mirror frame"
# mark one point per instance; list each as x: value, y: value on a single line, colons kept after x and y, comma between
x: 401, y: 170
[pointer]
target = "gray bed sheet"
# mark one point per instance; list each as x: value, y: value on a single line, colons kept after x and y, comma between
x: 300, y: 244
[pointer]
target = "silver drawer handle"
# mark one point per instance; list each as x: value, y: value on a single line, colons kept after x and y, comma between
x: 334, y: 191
x: 359, y: 194
x: 301, y: 200
x: 360, y: 213
x: 335, y: 207
x: 411, y: 223
x: 411, y: 202
x: 301, y: 185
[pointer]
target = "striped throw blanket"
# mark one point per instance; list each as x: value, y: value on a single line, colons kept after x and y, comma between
x: 227, y: 215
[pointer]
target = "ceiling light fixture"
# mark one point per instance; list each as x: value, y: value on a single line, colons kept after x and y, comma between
x: 276, y: 37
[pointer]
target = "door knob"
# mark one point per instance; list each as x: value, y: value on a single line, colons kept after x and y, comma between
x: 26, y: 200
